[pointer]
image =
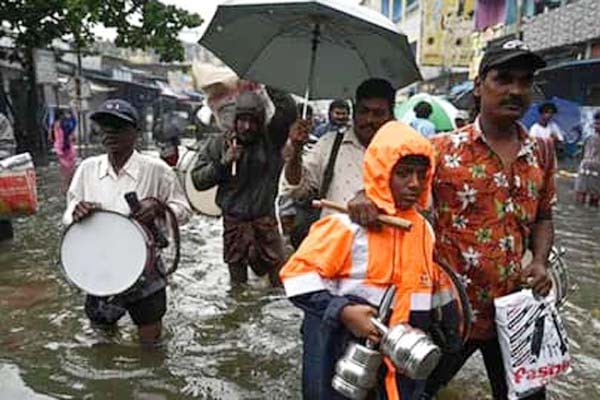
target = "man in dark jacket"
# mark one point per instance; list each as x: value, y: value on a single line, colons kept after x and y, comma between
x: 245, y: 164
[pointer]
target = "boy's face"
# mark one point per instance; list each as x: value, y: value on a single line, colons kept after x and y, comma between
x: 409, y: 179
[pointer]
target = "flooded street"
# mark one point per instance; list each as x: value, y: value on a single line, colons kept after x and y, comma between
x: 218, y: 344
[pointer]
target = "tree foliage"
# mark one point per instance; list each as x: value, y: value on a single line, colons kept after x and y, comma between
x: 141, y: 24
x: 145, y: 24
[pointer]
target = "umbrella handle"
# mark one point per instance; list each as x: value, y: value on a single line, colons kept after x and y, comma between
x: 234, y: 163
x: 311, y: 70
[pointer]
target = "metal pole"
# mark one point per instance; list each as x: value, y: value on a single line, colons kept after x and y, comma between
x: 519, y: 19
x: 311, y: 71
x: 80, y: 132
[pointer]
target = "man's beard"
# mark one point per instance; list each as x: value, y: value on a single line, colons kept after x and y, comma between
x: 249, y: 137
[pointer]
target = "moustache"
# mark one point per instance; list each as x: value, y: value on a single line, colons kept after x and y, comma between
x: 369, y: 126
x: 513, y: 101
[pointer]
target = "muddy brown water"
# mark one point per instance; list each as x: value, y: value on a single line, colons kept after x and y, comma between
x: 218, y: 343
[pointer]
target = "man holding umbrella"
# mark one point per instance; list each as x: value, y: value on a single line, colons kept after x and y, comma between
x: 337, y: 155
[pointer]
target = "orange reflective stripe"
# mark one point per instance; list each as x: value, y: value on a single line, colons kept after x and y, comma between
x: 391, y: 386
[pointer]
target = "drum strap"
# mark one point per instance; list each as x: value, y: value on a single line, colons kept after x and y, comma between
x: 329, y: 169
x: 170, y: 265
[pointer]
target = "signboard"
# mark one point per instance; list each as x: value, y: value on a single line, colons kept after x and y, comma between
x: 85, y: 88
x: 446, y: 27
x: 479, y: 42
x: 45, y: 67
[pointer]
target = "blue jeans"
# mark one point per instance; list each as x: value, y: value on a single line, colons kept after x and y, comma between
x: 322, y: 347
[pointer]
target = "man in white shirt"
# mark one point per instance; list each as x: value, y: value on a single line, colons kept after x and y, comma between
x: 545, y: 127
x: 100, y: 183
x: 304, y: 175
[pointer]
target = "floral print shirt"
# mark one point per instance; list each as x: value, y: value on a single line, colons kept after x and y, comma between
x: 484, y: 212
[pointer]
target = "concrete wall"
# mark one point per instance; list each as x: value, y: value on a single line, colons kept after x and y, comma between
x: 573, y: 23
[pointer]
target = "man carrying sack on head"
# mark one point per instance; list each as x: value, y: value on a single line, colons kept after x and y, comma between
x: 100, y: 183
x: 245, y: 164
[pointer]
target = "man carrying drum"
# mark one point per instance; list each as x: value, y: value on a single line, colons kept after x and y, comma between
x: 100, y: 183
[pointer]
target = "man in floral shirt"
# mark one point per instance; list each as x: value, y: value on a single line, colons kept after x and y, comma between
x: 493, y: 196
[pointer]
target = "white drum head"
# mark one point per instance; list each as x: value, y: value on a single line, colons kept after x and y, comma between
x: 105, y: 254
x: 203, y: 201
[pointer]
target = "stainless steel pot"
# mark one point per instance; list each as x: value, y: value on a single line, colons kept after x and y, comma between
x: 347, y: 389
x: 356, y: 371
x: 410, y: 349
x: 359, y: 365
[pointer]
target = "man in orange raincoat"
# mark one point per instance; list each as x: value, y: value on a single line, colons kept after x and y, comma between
x: 340, y: 272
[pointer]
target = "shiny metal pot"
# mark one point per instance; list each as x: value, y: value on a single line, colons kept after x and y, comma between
x: 359, y: 365
x: 410, y: 349
x: 348, y: 389
x: 356, y: 371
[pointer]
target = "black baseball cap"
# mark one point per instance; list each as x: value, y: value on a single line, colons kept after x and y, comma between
x: 116, y: 108
x: 509, y: 51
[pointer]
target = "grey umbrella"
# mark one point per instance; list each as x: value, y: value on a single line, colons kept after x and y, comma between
x: 316, y: 48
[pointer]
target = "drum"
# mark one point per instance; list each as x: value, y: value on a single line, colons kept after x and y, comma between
x: 106, y: 253
x: 203, y: 202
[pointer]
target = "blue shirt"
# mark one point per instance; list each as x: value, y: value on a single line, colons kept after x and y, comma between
x: 424, y: 126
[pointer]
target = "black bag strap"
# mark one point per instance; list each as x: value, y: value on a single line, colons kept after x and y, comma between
x: 328, y: 175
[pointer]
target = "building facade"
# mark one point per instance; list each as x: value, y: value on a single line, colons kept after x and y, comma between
x: 423, y: 24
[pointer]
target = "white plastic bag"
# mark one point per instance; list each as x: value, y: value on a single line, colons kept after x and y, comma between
x: 533, y: 341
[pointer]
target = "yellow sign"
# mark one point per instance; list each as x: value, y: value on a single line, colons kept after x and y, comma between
x: 446, y: 28
x: 479, y: 41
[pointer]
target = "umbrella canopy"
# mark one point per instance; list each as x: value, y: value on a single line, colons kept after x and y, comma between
x: 442, y: 116
x: 577, y: 81
x: 326, y: 46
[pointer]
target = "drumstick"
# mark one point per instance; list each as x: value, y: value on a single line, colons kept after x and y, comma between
x: 134, y: 204
x: 384, y: 219
x: 234, y: 163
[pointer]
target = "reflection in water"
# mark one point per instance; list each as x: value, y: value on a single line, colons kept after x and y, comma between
x: 218, y: 344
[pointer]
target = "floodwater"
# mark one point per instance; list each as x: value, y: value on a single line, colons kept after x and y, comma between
x: 218, y: 343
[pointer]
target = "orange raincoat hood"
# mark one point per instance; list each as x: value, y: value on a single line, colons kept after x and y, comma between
x: 393, y: 141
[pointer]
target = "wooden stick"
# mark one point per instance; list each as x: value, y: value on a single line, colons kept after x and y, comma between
x: 384, y: 219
